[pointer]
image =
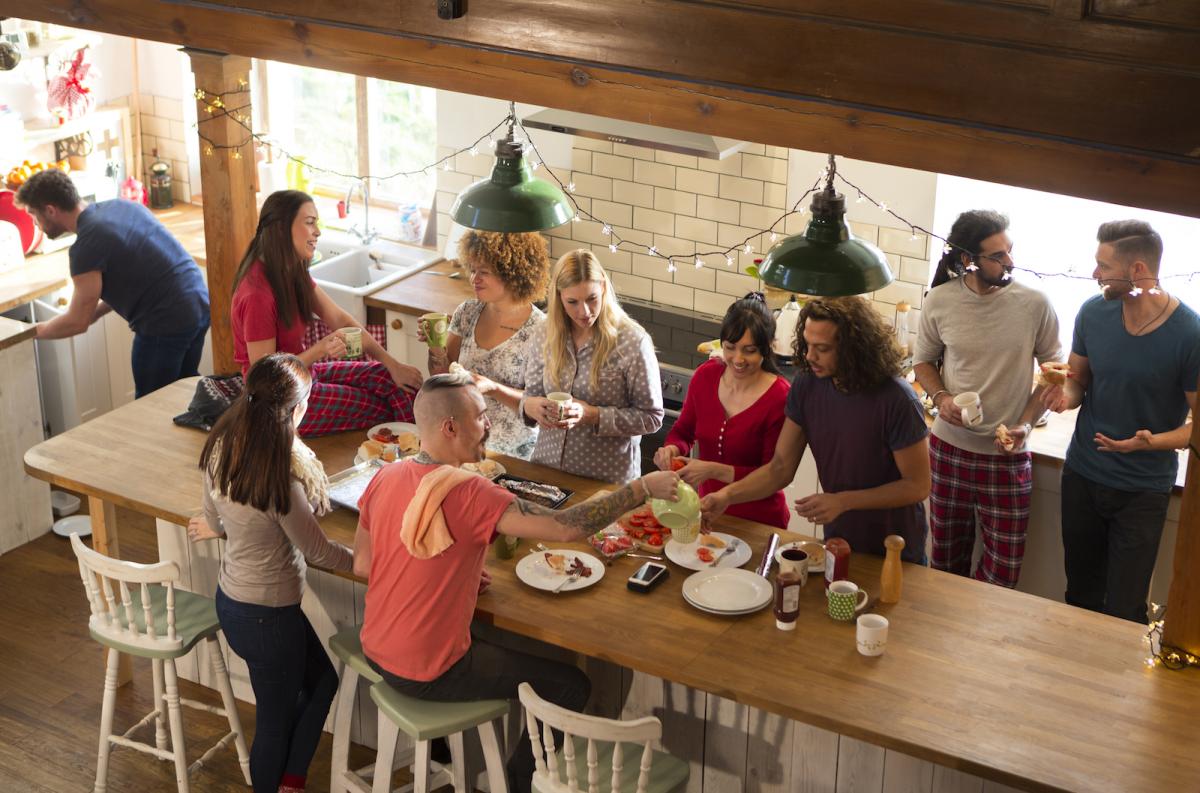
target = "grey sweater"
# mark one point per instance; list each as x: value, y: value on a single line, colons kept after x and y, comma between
x: 264, y: 554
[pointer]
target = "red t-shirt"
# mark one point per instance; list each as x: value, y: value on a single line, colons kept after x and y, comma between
x: 254, y: 318
x: 417, y: 622
x: 745, y: 440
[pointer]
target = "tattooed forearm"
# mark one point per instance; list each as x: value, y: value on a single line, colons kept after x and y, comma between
x: 588, y: 517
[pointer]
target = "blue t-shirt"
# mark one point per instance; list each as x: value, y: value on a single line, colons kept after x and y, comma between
x: 148, y: 278
x: 852, y: 437
x: 1138, y: 383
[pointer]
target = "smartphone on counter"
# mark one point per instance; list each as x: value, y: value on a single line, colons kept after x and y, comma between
x: 647, y: 577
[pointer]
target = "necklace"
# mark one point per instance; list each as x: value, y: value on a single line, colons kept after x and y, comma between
x: 1157, y: 317
x: 500, y: 322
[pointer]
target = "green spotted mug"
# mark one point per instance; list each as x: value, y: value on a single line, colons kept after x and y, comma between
x: 845, y: 600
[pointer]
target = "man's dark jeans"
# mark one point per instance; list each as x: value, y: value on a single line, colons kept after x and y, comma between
x: 1110, y: 544
x: 161, y: 360
x: 491, y: 672
x: 294, y: 684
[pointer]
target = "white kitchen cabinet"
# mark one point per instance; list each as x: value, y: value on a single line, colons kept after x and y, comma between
x: 402, y: 341
x: 118, y: 340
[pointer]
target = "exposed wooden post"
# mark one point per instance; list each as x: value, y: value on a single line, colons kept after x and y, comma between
x: 226, y: 183
x: 1182, y: 628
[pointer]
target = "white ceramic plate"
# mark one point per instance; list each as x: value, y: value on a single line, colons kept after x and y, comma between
x: 497, y: 471
x: 534, y: 570
x: 77, y: 524
x: 684, y: 554
x: 396, y: 427
x: 727, y: 591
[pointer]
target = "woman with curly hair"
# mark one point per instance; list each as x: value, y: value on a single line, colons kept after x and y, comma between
x: 590, y: 348
x: 488, y: 334
x: 866, y: 428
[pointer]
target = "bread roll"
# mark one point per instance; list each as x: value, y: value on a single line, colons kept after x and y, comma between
x: 408, y: 442
x: 1005, y: 437
x: 370, y: 450
x: 1055, y: 372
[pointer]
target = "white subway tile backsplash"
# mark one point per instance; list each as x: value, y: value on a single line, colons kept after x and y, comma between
x: 780, y: 152
x: 768, y: 169
x: 731, y: 165
x: 581, y: 160
x: 652, y: 267
x: 735, y: 188
x: 761, y: 217
x: 633, y: 286
x: 900, y: 290
x: 674, y: 295
x: 153, y: 125
x: 653, y: 220
x: 654, y: 173
x: 718, y: 209
x: 172, y: 149
x: 592, y: 186
x: 477, y: 165
x: 636, y: 152
x: 735, y: 284
x: 865, y: 231
x: 613, y: 213
x: 753, y: 148
x: 775, y: 195
x: 633, y: 235
x: 560, y: 247
x: 674, y: 246
x: 917, y: 271
x: 698, y: 229
x: 612, y: 166
x: 694, y: 181
x: 673, y: 158
x: 587, y: 231
x: 902, y: 242
x: 614, y: 261
x: 164, y: 107
x: 730, y: 234
x: 641, y: 195
x: 699, y: 278
x: 674, y: 201
x: 712, y: 302
x: 563, y: 232
x: 453, y: 181
x: 593, y: 145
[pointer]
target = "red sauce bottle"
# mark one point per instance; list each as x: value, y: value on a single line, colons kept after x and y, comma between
x: 837, y: 560
x: 787, y: 600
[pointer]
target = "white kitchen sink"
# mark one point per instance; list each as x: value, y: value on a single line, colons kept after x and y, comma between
x: 348, y: 276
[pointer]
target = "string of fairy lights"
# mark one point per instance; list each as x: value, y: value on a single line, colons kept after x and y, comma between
x: 1164, y: 655
x: 215, y: 107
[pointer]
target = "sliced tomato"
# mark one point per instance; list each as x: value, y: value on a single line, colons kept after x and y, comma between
x: 637, y: 532
x: 678, y: 462
x: 652, y: 523
x: 644, y: 512
x: 637, y: 520
x: 653, y: 539
x: 704, y: 554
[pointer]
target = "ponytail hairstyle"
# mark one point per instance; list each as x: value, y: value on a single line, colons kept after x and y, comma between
x: 286, y: 272
x: 750, y: 313
x: 248, y: 455
x: 969, y: 231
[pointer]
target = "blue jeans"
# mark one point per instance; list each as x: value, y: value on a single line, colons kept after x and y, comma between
x: 1110, y: 545
x: 161, y: 360
x: 294, y: 684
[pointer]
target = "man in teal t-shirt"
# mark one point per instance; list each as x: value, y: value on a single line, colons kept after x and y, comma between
x: 1135, y: 362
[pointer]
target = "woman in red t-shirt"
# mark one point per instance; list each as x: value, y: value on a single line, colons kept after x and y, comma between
x: 274, y: 298
x: 734, y: 411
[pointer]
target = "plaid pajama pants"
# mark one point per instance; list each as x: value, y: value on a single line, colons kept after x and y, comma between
x: 353, y: 395
x: 995, y: 488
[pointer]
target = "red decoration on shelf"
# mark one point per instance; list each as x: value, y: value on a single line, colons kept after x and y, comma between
x: 70, y: 93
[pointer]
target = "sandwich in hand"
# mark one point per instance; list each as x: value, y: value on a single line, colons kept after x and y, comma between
x: 1005, y: 438
x: 1055, y: 372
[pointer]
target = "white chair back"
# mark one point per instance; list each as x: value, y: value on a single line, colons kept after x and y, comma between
x: 593, y: 728
x: 107, y: 583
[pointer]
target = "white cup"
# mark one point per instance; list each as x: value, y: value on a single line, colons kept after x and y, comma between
x: 797, y: 565
x: 872, y: 634
x: 972, y: 410
x: 562, y: 399
x: 353, y: 339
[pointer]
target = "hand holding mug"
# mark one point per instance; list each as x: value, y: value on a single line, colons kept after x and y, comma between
x: 543, y: 411
x: 948, y: 411
x: 573, y: 413
x: 332, y: 346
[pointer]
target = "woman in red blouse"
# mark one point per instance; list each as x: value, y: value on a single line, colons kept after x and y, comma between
x: 734, y: 412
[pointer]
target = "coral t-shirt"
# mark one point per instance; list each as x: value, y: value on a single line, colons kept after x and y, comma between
x: 417, y: 622
x: 255, y: 317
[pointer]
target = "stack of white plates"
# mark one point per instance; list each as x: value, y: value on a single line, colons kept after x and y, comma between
x: 728, y: 591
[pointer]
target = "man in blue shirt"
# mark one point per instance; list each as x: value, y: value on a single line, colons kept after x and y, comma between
x: 124, y: 260
x: 1135, y: 362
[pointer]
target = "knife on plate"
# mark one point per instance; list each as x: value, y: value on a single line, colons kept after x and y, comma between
x: 764, y: 567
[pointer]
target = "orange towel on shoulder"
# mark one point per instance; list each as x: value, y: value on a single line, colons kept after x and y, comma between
x: 423, y: 530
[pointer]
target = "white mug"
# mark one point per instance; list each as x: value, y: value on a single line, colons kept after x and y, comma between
x: 972, y: 408
x: 562, y: 399
x: 872, y: 634
x: 799, y: 566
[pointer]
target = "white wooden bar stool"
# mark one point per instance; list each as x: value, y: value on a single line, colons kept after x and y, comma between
x: 352, y: 665
x: 423, y: 720
x: 601, y: 757
x: 137, y: 610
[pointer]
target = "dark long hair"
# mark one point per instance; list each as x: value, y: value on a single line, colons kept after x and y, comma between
x: 969, y: 231
x: 750, y: 313
x: 272, y: 245
x: 867, y: 352
x: 249, y: 453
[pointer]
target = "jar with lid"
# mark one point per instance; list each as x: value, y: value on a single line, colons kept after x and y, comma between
x: 160, y: 184
x: 787, y: 600
x: 837, y: 560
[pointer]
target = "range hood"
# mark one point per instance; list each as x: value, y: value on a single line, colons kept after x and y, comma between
x: 696, y: 144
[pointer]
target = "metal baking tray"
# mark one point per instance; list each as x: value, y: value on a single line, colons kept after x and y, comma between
x: 346, y: 487
x: 545, y: 502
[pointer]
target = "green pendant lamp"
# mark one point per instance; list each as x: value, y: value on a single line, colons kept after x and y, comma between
x: 512, y: 200
x: 826, y: 260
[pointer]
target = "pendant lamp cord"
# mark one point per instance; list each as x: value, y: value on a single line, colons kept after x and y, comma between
x: 831, y: 172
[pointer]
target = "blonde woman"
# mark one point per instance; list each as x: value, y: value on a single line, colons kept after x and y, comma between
x: 588, y: 347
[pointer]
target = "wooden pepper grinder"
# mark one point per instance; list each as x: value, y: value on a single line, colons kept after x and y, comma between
x: 892, y: 580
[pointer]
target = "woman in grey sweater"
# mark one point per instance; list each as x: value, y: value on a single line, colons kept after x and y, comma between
x: 261, y: 487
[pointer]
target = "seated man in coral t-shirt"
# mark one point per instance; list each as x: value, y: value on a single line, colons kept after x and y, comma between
x: 417, y: 626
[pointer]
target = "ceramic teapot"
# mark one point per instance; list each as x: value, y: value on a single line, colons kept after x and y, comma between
x: 786, y: 320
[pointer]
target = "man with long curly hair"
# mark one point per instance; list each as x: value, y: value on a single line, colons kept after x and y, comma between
x: 866, y: 428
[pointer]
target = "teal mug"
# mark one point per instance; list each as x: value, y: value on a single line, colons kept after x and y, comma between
x: 845, y: 600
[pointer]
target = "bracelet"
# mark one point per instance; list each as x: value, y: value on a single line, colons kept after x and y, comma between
x: 936, y: 394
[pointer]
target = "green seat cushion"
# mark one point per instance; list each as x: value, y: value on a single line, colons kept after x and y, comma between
x: 423, y: 720
x: 666, y: 772
x: 347, y: 646
x: 195, y: 619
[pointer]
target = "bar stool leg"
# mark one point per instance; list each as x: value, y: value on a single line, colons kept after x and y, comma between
x: 493, y: 755
x: 420, y: 767
x: 458, y: 763
x: 227, y: 699
x: 106, y: 720
x: 343, y: 714
x: 389, y: 733
x: 176, y: 717
x: 160, y: 723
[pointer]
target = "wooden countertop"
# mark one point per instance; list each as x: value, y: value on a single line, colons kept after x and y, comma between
x: 13, y: 332
x: 1001, y: 684
x: 429, y: 290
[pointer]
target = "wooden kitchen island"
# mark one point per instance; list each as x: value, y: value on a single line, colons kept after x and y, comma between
x: 981, y: 688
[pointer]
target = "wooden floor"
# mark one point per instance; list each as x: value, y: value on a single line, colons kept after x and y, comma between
x: 52, y: 680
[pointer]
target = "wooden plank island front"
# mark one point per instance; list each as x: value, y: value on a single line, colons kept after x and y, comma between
x: 981, y: 688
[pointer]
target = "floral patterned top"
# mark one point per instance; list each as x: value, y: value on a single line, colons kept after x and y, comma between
x: 504, y: 363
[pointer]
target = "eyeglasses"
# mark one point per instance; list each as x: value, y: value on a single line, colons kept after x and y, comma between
x: 1001, y: 258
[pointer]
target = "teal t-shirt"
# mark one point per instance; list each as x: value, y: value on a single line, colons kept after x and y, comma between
x: 1138, y: 382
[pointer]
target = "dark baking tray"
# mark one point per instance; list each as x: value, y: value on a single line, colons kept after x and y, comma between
x: 500, y: 480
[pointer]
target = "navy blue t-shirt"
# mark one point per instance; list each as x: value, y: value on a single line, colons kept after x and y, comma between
x: 148, y: 278
x: 852, y: 438
x: 1138, y: 383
